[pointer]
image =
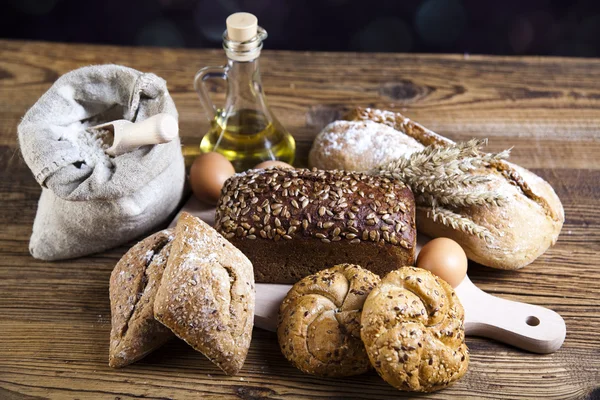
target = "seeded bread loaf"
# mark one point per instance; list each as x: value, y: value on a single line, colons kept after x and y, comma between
x: 520, y: 231
x: 294, y: 222
x: 319, y: 321
x: 412, y: 326
x: 133, y: 285
x: 206, y: 296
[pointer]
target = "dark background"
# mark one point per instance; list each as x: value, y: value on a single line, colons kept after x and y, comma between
x: 537, y: 27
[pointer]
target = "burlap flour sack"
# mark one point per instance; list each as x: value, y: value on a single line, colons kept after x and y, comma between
x: 90, y: 201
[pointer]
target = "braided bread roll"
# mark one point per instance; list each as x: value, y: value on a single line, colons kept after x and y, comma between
x: 412, y: 329
x: 319, y: 321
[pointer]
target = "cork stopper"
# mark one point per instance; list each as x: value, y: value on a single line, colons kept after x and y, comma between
x: 241, y: 26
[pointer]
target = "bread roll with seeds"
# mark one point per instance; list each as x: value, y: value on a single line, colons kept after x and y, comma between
x: 520, y: 231
x: 319, y: 321
x: 294, y: 222
x: 206, y: 296
x: 412, y: 328
x: 133, y: 285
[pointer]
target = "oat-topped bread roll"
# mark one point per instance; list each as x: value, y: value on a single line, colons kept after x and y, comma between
x: 294, y: 222
x: 412, y: 328
x: 206, y: 296
x: 506, y: 237
x: 133, y: 285
x: 319, y: 321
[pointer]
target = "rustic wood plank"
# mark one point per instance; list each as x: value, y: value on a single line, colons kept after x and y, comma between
x: 55, y: 318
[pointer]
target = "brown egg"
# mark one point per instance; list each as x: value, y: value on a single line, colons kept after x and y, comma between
x: 208, y: 174
x: 444, y: 258
x: 272, y: 163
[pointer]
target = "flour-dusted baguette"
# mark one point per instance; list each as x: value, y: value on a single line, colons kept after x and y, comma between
x: 520, y: 230
x: 206, y: 296
x: 133, y: 285
x: 294, y: 222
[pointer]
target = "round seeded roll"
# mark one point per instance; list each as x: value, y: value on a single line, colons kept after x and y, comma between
x: 412, y: 329
x: 319, y: 321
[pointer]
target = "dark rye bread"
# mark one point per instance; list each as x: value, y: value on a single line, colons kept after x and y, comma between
x: 292, y: 223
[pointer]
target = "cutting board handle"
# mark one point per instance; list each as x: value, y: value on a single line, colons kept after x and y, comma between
x: 526, y: 326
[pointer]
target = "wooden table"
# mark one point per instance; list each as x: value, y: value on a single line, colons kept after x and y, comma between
x: 55, y: 318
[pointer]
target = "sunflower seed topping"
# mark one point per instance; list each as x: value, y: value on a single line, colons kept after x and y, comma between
x: 277, y: 204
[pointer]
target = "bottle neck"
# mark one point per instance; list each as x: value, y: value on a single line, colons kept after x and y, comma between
x: 243, y: 71
x: 244, y: 90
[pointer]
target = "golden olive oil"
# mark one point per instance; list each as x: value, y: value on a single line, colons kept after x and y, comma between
x: 247, y: 137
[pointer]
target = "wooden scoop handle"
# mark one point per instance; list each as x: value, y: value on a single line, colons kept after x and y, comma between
x: 160, y: 128
x: 526, y: 326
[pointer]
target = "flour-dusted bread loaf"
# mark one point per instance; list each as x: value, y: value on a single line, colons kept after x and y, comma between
x: 133, y: 286
x: 294, y: 222
x: 319, y: 321
x: 339, y: 143
x: 520, y: 231
x: 206, y: 296
x: 412, y: 326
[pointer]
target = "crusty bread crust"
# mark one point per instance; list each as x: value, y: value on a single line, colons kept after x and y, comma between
x: 133, y: 285
x: 206, y: 296
x: 294, y: 222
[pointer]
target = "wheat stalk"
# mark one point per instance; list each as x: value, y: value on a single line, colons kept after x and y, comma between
x: 458, y: 222
x: 444, y: 177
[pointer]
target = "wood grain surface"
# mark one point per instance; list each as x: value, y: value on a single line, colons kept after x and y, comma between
x: 55, y: 319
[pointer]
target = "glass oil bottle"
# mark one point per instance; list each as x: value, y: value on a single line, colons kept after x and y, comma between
x: 244, y: 130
